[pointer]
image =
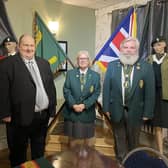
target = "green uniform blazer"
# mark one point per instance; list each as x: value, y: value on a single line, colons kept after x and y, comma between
x: 141, y: 98
x: 164, y: 75
x: 74, y: 95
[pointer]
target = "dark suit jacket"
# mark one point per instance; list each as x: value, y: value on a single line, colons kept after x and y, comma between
x: 141, y: 98
x: 73, y: 95
x: 18, y: 90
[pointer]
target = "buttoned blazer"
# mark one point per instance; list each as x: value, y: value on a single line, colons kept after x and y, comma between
x: 74, y: 95
x: 18, y: 90
x: 141, y: 97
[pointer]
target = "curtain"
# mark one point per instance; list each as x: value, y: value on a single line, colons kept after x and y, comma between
x: 152, y: 20
x: 117, y: 17
x: 156, y: 24
x: 5, y: 27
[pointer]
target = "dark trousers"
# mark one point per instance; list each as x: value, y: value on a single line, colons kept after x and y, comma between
x: 18, y: 138
x: 126, y: 137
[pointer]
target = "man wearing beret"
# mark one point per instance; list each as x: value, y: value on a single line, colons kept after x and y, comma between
x: 159, y: 60
x: 11, y: 45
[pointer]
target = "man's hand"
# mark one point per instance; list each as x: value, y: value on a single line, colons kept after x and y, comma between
x: 7, y: 119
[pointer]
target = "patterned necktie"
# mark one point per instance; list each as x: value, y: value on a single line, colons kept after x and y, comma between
x: 127, y: 83
x: 33, y: 73
x: 82, y: 80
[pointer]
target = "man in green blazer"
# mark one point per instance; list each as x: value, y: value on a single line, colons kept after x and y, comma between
x: 128, y: 96
x: 81, y: 90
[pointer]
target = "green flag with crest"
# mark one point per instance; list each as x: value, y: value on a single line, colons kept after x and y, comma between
x: 47, y: 46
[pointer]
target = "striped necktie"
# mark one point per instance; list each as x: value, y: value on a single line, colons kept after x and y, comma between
x: 82, y: 80
x: 127, y: 83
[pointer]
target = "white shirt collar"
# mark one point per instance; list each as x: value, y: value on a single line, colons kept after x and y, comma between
x: 160, y: 60
x: 26, y: 60
x: 83, y: 72
x: 11, y: 54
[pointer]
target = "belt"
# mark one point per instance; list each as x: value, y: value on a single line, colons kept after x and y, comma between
x: 40, y: 113
x: 125, y: 108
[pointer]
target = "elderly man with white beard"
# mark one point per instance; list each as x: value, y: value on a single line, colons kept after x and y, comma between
x: 128, y: 96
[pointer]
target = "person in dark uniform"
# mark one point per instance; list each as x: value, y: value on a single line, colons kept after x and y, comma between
x: 128, y: 96
x: 11, y: 45
x: 27, y: 101
x: 3, y: 52
x: 81, y: 90
x: 159, y: 60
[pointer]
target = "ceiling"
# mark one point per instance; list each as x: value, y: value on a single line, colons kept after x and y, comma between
x: 94, y: 4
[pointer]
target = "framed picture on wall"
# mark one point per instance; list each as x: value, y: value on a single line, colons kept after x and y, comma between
x: 64, y: 45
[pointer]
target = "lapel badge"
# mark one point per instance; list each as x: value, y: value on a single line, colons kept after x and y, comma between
x: 141, y: 83
x: 138, y: 66
x: 77, y: 76
x: 91, y: 89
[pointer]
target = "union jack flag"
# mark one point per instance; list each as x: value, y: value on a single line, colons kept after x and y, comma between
x: 110, y: 50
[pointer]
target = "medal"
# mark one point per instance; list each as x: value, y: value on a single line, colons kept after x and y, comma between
x: 126, y: 84
x: 91, y: 89
x: 126, y: 75
x: 141, y: 83
x: 138, y: 66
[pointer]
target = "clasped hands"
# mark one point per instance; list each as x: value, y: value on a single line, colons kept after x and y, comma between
x: 78, y: 107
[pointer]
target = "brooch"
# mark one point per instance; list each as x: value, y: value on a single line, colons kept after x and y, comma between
x: 141, y: 83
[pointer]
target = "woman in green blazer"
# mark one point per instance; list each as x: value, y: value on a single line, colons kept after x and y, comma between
x: 81, y: 90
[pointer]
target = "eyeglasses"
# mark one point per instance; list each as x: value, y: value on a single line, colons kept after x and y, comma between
x: 83, y: 59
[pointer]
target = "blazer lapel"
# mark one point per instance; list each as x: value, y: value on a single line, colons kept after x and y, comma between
x: 22, y: 66
x: 118, y: 75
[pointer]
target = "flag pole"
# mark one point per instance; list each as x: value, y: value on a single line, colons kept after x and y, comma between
x: 68, y: 59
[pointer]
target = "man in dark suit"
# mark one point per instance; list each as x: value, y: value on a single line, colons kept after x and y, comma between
x: 27, y: 101
x: 128, y: 96
x: 81, y: 90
